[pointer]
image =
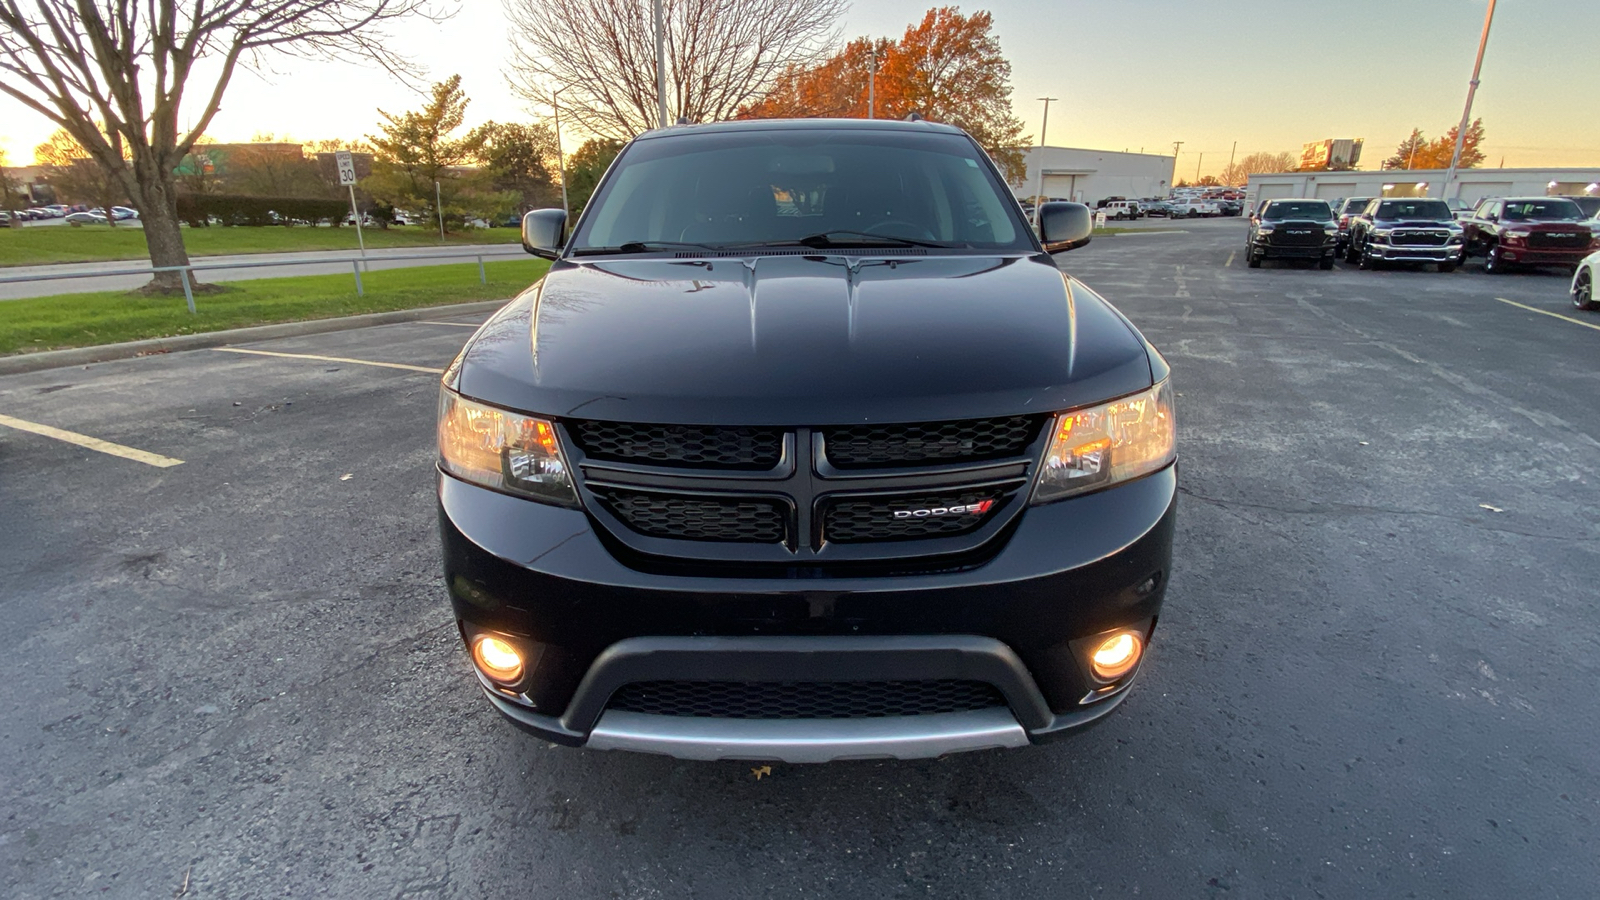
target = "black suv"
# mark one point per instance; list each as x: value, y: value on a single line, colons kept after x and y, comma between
x: 1405, y: 229
x: 1292, y: 229
x: 805, y: 449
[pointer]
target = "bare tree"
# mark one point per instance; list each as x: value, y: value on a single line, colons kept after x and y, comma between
x: 721, y: 55
x: 1239, y: 173
x: 114, y: 74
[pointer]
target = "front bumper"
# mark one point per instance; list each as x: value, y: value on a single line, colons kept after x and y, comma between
x: 1447, y: 253
x: 1543, y: 257
x: 1296, y: 251
x: 588, y: 623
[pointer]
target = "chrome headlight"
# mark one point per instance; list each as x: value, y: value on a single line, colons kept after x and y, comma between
x: 1264, y: 229
x: 1103, y: 445
x: 502, y: 450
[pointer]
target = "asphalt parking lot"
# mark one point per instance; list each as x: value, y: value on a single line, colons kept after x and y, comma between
x: 237, y: 675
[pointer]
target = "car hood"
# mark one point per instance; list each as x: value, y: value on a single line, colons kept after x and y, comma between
x: 812, y: 339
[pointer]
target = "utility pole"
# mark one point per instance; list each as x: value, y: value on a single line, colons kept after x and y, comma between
x: 1466, y: 114
x: 661, y: 65
x: 561, y: 159
x: 872, y: 82
x: 1197, y: 166
x: 1174, y: 182
x: 1411, y: 160
x: 1231, y: 154
x: 1038, y: 196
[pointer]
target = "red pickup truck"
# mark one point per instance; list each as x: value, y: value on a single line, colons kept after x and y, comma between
x: 1534, y: 231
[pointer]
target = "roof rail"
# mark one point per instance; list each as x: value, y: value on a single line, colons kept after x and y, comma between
x: 914, y: 116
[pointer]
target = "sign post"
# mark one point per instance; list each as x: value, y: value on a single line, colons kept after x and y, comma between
x: 347, y: 177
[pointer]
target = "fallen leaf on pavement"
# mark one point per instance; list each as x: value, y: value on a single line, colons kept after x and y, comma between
x: 759, y: 771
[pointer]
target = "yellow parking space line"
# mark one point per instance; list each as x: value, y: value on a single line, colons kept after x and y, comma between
x: 336, y: 359
x: 1229, y: 263
x: 83, y: 440
x: 456, y: 324
x: 1546, y: 312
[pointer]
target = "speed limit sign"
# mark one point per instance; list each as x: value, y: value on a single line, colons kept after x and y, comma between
x: 347, y: 167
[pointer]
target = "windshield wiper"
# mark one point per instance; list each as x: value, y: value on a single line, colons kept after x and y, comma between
x: 642, y: 247
x: 825, y: 239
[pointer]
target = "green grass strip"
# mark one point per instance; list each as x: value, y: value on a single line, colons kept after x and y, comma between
x: 85, y: 320
x: 44, y: 245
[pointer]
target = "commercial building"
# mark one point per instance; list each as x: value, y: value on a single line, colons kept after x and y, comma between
x: 1087, y: 176
x: 1470, y: 185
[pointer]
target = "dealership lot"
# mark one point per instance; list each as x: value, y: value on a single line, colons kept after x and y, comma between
x: 230, y: 666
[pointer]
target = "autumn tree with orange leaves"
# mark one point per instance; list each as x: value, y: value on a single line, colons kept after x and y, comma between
x: 948, y: 68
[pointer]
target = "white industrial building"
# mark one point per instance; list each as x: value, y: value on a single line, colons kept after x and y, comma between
x: 1087, y: 176
x: 1470, y: 185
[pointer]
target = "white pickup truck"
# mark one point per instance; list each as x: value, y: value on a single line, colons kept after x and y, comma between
x: 1190, y: 208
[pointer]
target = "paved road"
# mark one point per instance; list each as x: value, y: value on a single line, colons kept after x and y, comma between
x: 301, y: 263
x: 1375, y: 676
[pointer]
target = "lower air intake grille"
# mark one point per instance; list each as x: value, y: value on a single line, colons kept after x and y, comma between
x: 876, y: 519
x: 697, y: 518
x: 804, y: 699
x: 928, y: 443
x: 690, y: 446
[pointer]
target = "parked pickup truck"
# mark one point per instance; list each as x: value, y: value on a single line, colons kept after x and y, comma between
x: 1405, y: 229
x: 1188, y: 209
x: 1535, y: 231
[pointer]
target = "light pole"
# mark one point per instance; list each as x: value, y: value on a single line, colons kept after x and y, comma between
x: 1197, y: 166
x: 561, y: 159
x: 1038, y: 195
x: 872, y: 82
x: 1472, y: 88
x: 438, y: 206
x: 1175, y: 146
x: 661, y: 65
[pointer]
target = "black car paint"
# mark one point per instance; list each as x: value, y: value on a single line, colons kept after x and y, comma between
x: 799, y: 339
x: 1372, y: 218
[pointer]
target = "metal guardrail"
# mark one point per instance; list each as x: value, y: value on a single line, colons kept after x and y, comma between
x: 354, y: 261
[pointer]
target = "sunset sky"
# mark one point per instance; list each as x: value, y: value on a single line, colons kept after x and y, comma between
x: 1131, y: 74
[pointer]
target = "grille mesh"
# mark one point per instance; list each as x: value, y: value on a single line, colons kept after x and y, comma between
x: 872, y: 519
x: 804, y: 699
x: 690, y: 446
x: 1563, y: 240
x: 1297, y: 236
x: 738, y: 520
x: 1419, y: 238
x: 866, y: 446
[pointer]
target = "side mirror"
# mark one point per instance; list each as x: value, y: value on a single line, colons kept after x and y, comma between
x: 544, y: 232
x: 1064, y: 226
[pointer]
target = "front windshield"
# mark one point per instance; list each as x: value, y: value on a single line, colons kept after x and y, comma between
x: 1298, y: 209
x: 1356, y: 204
x: 1431, y: 210
x: 741, y: 189
x: 1553, y: 210
x: 1589, y: 205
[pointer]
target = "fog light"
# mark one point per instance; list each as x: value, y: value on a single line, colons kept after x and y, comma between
x: 497, y: 659
x: 1116, y: 655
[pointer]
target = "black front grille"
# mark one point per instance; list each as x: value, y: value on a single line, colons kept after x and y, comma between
x: 1419, y: 238
x: 732, y: 519
x: 855, y: 520
x: 1563, y: 240
x: 804, y: 699
x: 1297, y: 236
x: 689, y: 446
x: 924, y: 443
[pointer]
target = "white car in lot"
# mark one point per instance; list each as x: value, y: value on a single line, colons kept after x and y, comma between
x: 1583, y: 282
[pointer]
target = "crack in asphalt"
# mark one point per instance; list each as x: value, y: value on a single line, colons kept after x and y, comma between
x: 1330, y: 508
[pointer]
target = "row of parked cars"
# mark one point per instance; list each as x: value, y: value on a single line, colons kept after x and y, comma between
x: 76, y: 215
x: 1170, y: 207
x: 1507, y: 232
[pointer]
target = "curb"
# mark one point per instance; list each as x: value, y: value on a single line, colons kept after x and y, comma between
x: 79, y: 356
